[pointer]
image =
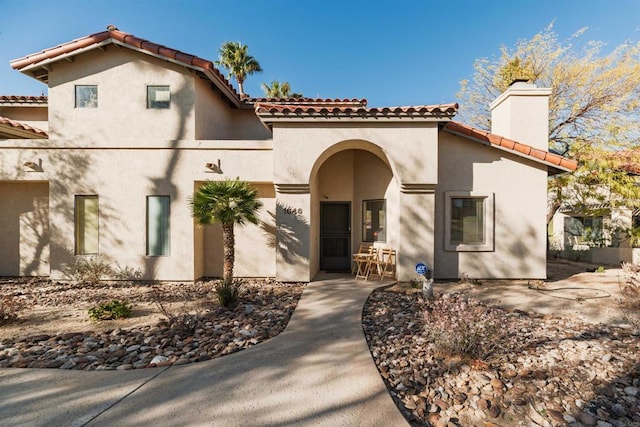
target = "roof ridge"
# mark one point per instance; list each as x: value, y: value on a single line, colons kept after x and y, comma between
x: 114, y: 34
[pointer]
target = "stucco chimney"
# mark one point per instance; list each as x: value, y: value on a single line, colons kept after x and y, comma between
x: 521, y: 113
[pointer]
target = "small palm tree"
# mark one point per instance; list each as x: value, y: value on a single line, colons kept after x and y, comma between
x: 279, y: 90
x: 226, y: 202
x: 235, y: 58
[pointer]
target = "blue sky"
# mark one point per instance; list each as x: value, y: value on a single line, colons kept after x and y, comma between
x: 392, y: 52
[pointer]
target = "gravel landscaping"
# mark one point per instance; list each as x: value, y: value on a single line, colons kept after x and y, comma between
x: 547, y: 370
x: 146, y: 339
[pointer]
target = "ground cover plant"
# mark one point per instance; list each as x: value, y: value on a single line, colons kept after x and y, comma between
x: 10, y: 308
x: 111, y: 310
x: 535, y: 369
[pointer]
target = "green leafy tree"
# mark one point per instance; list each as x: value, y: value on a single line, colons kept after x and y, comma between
x: 235, y: 58
x: 278, y: 89
x: 227, y: 203
x: 594, y: 108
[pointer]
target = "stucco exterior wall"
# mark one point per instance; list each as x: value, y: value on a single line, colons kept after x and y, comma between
x: 122, y: 77
x: 122, y: 178
x: 521, y: 113
x: 519, y: 190
x: 24, y: 221
x: 409, y: 153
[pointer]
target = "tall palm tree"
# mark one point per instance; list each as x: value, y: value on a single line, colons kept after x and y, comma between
x: 235, y: 58
x: 279, y: 90
x: 226, y: 202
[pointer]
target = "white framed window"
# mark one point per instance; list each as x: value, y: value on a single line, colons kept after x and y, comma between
x: 158, y: 225
x: 86, y: 225
x: 86, y: 96
x: 374, y: 218
x: 158, y: 96
x: 469, y: 221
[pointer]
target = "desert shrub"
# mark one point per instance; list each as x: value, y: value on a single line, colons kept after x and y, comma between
x: 462, y: 326
x: 630, y: 291
x: 10, y: 308
x: 111, y: 310
x: 126, y: 273
x: 179, y: 319
x: 228, y: 294
x: 90, y: 269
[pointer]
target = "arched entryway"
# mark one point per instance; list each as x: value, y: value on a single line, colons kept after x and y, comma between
x: 354, y: 199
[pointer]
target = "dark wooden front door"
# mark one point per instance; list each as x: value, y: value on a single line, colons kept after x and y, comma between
x: 335, y: 236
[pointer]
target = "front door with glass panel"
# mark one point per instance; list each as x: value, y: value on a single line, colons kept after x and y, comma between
x: 335, y: 236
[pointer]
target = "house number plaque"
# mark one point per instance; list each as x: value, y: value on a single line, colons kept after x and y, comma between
x: 293, y: 211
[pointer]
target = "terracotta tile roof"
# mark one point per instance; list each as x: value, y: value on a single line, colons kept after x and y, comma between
x: 629, y: 160
x: 23, y: 100
x: 337, y: 109
x: 114, y: 35
x: 310, y: 101
x: 554, y: 160
x: 13, y: 127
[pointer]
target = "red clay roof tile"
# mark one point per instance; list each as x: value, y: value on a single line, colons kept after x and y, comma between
x: 22, y: 99
x: 339, y: 108
x: 114, y: 34
x: 508, y: 144
x: 38, y: 133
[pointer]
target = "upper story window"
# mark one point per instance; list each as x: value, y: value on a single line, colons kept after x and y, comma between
x: 158, y: 96
x: 86, y: 96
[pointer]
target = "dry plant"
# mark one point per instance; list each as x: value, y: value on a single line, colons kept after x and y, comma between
x: 179, y: 319
x: 462, y: 326
x: 10, y: 308
x: 630, y: 291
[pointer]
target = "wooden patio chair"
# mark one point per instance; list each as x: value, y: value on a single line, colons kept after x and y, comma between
x: 363, y: 249
x: 363, y: 263
x: 385, y: 264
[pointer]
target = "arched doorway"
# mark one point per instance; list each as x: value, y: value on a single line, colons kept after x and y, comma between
x: 354, y: 200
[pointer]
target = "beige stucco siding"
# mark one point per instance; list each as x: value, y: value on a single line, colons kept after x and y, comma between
x: 408, y: 153
x: 519, y: 189
x: 24, y: 226
x: 122, y: 77
x: 122, y: 179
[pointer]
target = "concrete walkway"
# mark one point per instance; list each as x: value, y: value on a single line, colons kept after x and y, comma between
x: 317, y: 372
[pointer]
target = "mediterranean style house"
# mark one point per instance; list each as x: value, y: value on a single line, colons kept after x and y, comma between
x: 107, y: 163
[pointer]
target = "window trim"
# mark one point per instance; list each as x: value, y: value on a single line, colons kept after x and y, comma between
x: 168, y: 231
x: 364, y: 210
x: 75, y: 95
x: 488, y: 222
x: 149, y: 107
x: 76, y: 229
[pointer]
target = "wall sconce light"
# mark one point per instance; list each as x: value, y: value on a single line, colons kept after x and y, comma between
x: 213, y: 168
x: 33, y: 166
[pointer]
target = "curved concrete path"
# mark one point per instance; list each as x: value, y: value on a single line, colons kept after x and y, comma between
x: 317, y: 372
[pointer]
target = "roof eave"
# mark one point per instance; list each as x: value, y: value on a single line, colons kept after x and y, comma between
x: 14, y: 132
x: 222, y: 86
x: 552, y: 169
x: 29, y: 69
x: 352, y: 118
